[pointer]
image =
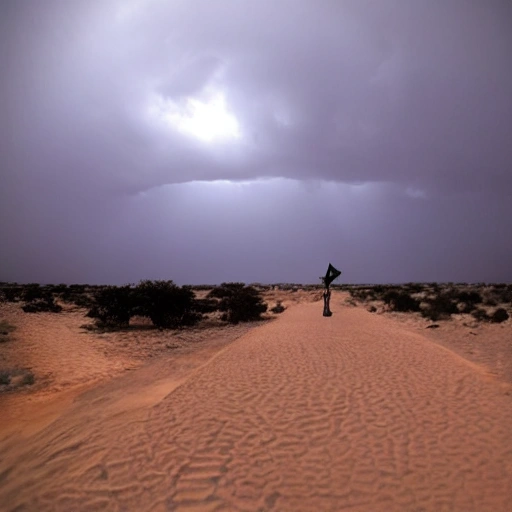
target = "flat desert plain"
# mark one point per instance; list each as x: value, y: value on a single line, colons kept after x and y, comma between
x: 359, y: 412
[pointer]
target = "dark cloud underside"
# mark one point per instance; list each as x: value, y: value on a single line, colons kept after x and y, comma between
x: 374, y: 135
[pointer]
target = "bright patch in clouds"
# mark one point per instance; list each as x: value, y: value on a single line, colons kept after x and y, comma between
x: 208, y: 120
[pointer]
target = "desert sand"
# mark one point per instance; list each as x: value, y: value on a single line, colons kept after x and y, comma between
x: 357, y: 412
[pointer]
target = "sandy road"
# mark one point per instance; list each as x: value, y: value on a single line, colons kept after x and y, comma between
x: 306, y: 413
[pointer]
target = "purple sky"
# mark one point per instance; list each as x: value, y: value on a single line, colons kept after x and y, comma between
x: 208, y: 141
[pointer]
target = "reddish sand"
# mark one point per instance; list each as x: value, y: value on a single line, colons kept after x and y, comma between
x: 305, y: 413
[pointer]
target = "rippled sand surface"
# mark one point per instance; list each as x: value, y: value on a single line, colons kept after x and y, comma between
x: 305, y: 413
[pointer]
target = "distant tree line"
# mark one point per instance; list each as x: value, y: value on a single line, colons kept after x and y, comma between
x: 167, y: 305
x: 439, y: 301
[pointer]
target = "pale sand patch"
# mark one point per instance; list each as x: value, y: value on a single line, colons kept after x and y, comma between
x: 351, y: 412
x: 67, y: 360
x: 484, y: 343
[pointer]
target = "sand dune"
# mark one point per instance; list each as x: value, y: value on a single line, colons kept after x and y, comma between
x: 306, y: 413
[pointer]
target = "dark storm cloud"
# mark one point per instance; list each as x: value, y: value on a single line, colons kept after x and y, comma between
x: 413, y: 92
x: 411, y: 98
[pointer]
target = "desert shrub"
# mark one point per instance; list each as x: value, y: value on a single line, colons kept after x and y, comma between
x: 12, y: 293
x: 414, y: 287
x: 358, y: 293
x: 465, y: 307
x: 502, y: 293
x: 59, y: 288
x: 15, y: 377
x: 81, y: 300
x: 43, y: 305
x: 205, y: 306
x: 490, y: 301
x: 500, y: 315
x: 480, y: 315
x: 202, y: 287
x: 278, y: 308
x: 6, y: 328
x: 363, y: 294
x: 240, y: 303
x: 441, y: 306
x: 470, y: 298
x: 401, y: 301
x: 113, y: 306
x: 80, y: 288
x: 5, y: 378
x: 34, y: 291
x: 28, y: 379
x: 354, y: 293
x: 167, y: 305
x: 370, y: 294
x: 434, y: 287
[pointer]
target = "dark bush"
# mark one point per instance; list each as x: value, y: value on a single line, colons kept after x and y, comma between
x: 278, y: 308
x: 442, y: 306
x: 363, y: 294
x: 205, y: 306
x: 434, y: 287
x: 502, y: 293
x: 80, y: 288
x: 469, y: 297
x: 12, y: 293
x: 45, y: 305
x: 78, y: 296
x: 59, y: 288
x: 113, y: 306
x: 401, y: 301
x: 82, y: 300
x: 34, y: 292
x: 480, y: 315
x: 358, y: 293
x: 490, y: 301
x: 167, y: 305
x: 500, y: 315
x: 466, y: 307
x: 5, y: 330
x: 414, y: 287
x: 5, y: 378
x: 239, y: 302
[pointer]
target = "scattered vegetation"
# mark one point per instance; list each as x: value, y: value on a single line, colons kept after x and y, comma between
x: 14, y: 378
x: 45, y: 305
x: 400, y: 301
x: 5, y: 330
x: 170, y: 306
x: 5, y: 378
x: 11, y: 293
x: 33, y: 292
x: 238, y: 302
x: 500, y: 315
x: 439, y: 301
x: 480, y: 315
x: 440, y: 307
x: 166, y: 304
x: 278, y: 308
x: 113, y: 306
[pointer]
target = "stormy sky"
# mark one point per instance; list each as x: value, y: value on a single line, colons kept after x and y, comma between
x: 225, y: 140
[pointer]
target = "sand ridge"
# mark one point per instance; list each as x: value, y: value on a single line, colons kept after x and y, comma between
x: 351, y: 412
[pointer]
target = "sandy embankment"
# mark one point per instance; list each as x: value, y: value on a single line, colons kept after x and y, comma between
x: 352, y: 412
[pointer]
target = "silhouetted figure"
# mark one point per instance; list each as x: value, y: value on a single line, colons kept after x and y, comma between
x: 331, y: 274
x: 327, y: 298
